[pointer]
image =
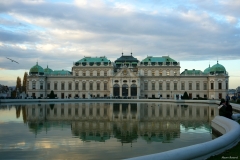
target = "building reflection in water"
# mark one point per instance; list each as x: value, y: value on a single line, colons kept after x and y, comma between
x: 154, y: 122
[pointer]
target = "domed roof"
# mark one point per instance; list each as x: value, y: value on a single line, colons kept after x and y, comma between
x: 36, y: 70
x: 47, y: 70
x: 207, y: 70
x: 217, y: 68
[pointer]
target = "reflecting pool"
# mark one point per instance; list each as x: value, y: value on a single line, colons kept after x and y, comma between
x: 100, y: 130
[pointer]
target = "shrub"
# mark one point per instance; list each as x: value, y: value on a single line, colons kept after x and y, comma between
x: 185, y: 96
x: 52, y: 95
x: 238, y: 100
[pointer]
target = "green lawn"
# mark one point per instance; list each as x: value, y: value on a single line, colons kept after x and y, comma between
x: 229, y: 154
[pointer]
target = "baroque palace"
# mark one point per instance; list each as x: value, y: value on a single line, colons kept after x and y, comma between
x: 153, y: 77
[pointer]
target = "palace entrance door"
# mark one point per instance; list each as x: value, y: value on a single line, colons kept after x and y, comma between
x: 125, y: 90
x: 133, y: 90
x: 116, y: 90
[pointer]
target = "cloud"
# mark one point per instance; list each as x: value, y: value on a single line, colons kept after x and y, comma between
x: 61, y: 33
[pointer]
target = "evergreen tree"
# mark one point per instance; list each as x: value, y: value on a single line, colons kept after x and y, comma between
x: 18, y: 86
x: 51, y: 95
x: 185, y: 95
x: 24, y: 85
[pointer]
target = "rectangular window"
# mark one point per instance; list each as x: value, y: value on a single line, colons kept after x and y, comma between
x: 69, y: 111
x: 98, y: 86
x: 33, y: 85
x: 212, y: 85
x: 197, y: 86
x: 76, y: 86
x: 90, y: 111
x: 226, y: 85
x: 190, y: 95
x: 145, y: 86
x: 153, y: 73
x: 175, y: 112
x: 62, y: 86
x: 105, y: 111
x: 83, y: 86
x: 69, y: 86
x: 76, y: 111
x: 84, y: 73
x: 48, y: 85
x: 91, y: 73
x: 145, y: 73
x: 168, y: 73
x: 190, y: 111
x: 219, y: 85
x: 41, y: 85
x: 90, y: 86
x: 98, y: 73
x: 76, y: 73
x: 175, y: 86
x: 98, y: 112
x: 168, y: 86
x: 55, y: 86
x: 205, y: 86
x: 160, y: 73
x: 105, y: 86
x: 153, y: 86
x: 190, y: 86
x: 182, y: 86
x: 33, y: 112
x: 83, y: 111
x: 48, y: 111
x: 55, y: 111
x: 105, y: 73
x: 160, y: 86
x: 62, y: 111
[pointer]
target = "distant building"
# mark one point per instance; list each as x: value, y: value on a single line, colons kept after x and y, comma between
x: 152, y: 77
x: 238, y: 92
x: 231, y: 92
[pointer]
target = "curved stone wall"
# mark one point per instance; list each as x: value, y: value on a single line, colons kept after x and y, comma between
x: 231, y: 136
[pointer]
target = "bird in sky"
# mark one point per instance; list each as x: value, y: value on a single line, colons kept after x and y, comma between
x: 12, y: 60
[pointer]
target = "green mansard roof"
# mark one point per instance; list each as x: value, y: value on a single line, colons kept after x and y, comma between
x: 94, y: 59
x: 60, y: 72
x: 158, y: 59
x: 192, y: 72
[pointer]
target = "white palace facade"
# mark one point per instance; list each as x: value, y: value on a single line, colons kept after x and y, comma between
x: 153, y: 77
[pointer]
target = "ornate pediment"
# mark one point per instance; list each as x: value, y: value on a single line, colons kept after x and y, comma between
x: 125, y: 72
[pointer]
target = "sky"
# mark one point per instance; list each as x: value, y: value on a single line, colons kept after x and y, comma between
x: 59, y: 32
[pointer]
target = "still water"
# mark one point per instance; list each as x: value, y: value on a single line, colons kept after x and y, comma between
x: 100, y: 130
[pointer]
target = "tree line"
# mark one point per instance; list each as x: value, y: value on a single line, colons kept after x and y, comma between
x: 20, y: 86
